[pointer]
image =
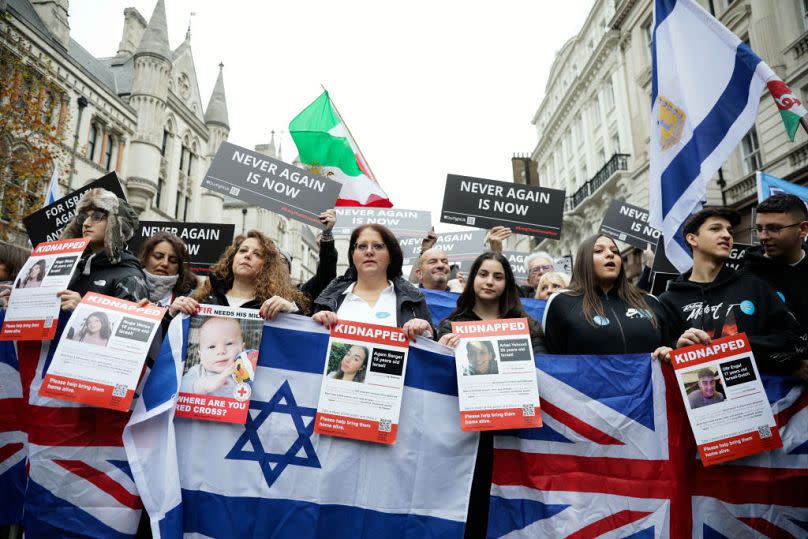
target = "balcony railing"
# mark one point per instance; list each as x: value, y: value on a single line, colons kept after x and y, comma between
x: 618, y: 161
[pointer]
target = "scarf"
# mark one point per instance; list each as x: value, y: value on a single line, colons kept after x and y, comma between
x: 160, y: 286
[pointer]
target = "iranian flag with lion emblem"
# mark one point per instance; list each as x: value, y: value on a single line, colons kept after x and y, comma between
x: 327, y: 148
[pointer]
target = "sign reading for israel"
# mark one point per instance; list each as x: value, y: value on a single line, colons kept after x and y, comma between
x: 534, y: 211
x: 277, y: 186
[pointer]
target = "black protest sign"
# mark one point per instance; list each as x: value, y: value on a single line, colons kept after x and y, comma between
x: 534, y: 211
x: 459, y: 247
x: 736, y: 255
x: 629, y: 223
x: 518, y: 265
x: 46, y: 224
x: 206, y: 242
x: 403, y: 223
x: 268, y: 183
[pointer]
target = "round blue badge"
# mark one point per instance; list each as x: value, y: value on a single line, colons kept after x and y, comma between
x: 601, y: 320
x: 748, y: 307
x: 382, y: 314
x: 781, y: 296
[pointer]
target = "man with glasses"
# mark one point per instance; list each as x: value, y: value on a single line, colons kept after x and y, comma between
x: 537, y: 264
x: 782, y: 226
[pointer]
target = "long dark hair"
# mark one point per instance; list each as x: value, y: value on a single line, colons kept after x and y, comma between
x: 584, y: 283
x: 39, y: 264
x: 390, y: 241
x: 106, y: 330
x: 510, y: 306
x: 187, y: 280
x: 360, y: 374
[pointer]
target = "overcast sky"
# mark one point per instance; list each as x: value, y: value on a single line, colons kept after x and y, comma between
x: 426, y: 88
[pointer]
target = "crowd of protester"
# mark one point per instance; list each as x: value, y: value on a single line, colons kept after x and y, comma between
x: 596, y: 310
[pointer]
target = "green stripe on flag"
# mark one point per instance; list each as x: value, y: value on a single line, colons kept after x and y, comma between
x: 310, y: 131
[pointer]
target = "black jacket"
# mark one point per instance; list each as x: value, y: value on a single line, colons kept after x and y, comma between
x: 789, y: 282
x: 124, y: 280
x: 535, y: 330
x: 218, y: 295
x: 736, y: 302
x: 527, y: 291
x: 623, y: 330
x: 326, y: 272
x: 410, y: 303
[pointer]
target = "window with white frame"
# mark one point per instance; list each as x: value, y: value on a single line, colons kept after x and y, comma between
x: 648, y: 35
x: 750, y: 152
x: 615, y: 143
x: 608, y: 94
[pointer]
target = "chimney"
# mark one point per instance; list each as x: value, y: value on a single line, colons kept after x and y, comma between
x: 525, y: 169
x: 54, y: 14
x: 134, y: 24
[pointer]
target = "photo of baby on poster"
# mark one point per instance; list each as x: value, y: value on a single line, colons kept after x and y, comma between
x: 220, y: 364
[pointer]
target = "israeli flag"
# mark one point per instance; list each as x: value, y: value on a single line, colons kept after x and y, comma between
x: 53, y: 193
x: 274, y: 477
x: 706, y: 88
x: 768, y: 185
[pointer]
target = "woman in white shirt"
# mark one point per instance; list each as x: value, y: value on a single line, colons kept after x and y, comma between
x: 373, y: 290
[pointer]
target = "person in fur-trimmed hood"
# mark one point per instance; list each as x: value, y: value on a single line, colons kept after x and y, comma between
x: 107, y: 267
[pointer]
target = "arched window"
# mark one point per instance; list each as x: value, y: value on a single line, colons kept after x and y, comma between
x: 108, y: 152
x: 92, y: 140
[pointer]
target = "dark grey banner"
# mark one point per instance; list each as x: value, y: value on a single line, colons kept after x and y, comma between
x: 458, y: 246
x: 629, y: 223
x: 268, y: 183
x: 403, y: 223
x: 477, y: 202
x: 206, y: 242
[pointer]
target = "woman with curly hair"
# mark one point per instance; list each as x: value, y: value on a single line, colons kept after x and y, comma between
x: 250, y: 274
x: 34, y: 277
x: 166, y: 263
x: 95, y: 329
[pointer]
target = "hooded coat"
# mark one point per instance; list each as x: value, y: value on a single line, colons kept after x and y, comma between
x: 114, y: 271
x: 736, y: 302
x: 789, y: 282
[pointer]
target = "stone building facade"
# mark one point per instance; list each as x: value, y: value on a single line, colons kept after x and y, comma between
x: 594, y: 121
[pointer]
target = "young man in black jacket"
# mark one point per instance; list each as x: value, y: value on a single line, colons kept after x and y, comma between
x: 712, y: 301
x: 780, y: 260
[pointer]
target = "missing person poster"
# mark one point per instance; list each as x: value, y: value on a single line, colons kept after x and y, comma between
x: 33, y: 306
x: 459, y: 247
x: 102, y: 352
x: 46, y: 224
x: 726, y: 404
x: 363, y: 380
x: 206, y: 242
x: 403, y: 223
x: 629, y: 223
x: 220, y: 365
x: 268, y: 183
x: 496, y: 376
x: 534, y: 211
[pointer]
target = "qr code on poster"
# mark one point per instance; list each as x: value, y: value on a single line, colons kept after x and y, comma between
x: 528, y: 410
x: 234, y: 191
x: 48, y: 322
x: 764, y: 432
x: 471, y: 220
x: 119, y: 391
x: 385, y: 425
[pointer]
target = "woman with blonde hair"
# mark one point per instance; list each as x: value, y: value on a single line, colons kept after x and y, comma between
x: 250, y: 274
x: 551, y: 282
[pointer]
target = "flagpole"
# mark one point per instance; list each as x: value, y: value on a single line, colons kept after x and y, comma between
x: 804, y: 123
x: 348, y: 129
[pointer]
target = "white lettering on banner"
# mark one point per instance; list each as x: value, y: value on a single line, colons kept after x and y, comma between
x: 529, y: 196
x: 272, y: 169
x: 493, y: 327
x: 707, y: 351
x: 100, y: 300
x: 634, y: 213
x: 200, y: 234
x: 379, y: 213
x: 47, y: 248
x: 480, y: 188
x: 370, y: 333
x: 510, y: 207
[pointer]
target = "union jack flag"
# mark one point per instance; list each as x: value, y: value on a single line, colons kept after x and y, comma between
x: 78, y: 481
x: 616, y: 458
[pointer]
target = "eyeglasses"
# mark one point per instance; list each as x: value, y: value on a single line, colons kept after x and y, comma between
x: 773, y: 229
x: 96, y: 215
x: 541, y: 269
x: 375, y: 247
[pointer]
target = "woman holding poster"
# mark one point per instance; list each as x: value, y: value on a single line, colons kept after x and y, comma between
x: 167, y: 266
x: 602, y: 312
x: 251, y: 274
x: 373, y: 290
x: 491, y: 293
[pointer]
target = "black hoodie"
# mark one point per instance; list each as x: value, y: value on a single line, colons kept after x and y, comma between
x: 623, y: 329
x: 123, y: 280
x: 736, y: 302
x: 789, y: 282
